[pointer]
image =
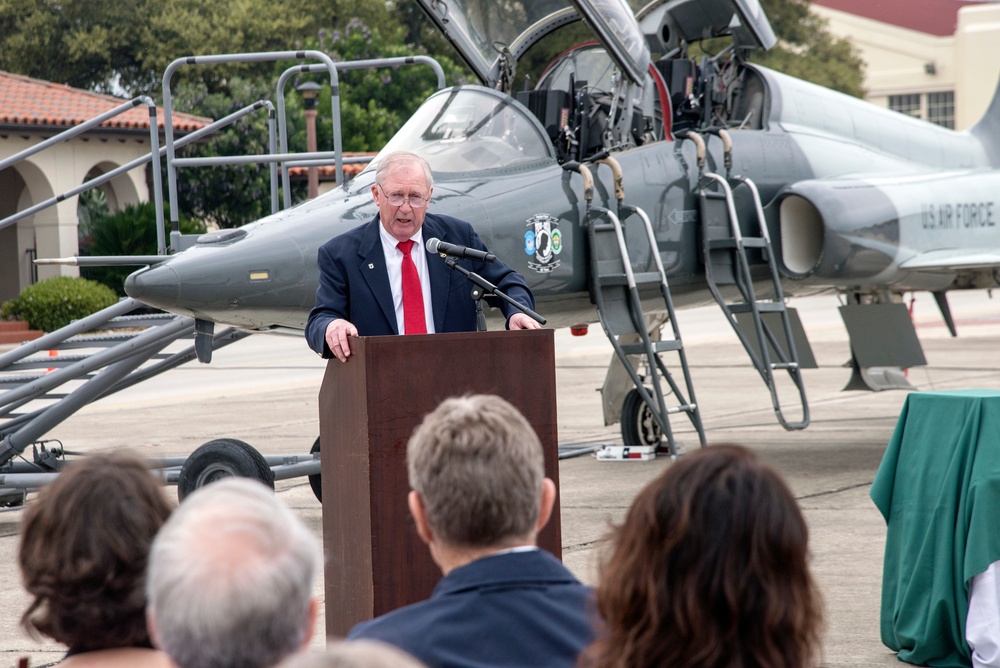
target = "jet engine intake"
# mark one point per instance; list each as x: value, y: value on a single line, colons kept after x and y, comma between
x: 913, y: 229
x: 836, y: 230
x: 801, y: 235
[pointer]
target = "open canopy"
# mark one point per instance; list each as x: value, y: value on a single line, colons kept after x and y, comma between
x: 469, y: 129
x: 481, y: 29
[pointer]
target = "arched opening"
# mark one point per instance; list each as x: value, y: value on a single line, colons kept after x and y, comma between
x: 23, y: 186
x: 106, y: 198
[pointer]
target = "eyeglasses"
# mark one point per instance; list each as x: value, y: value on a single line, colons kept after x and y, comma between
x: 415, y: 201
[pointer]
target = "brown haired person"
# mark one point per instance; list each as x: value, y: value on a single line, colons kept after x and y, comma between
x: 479, y: 499
x: 709, y: 570
x: 84, y: 547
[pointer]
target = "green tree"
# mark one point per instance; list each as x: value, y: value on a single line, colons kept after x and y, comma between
x: 114, y: 46
x: 534, y: 62
x: 420, y: 34
x: 129, y: 45
x: 374, y: 103
x: 131, y: 231
x: 807, y: 50
x: 91, y: 206
x: 227, y: 195
x: 200, y: 27
x: 88, y: 44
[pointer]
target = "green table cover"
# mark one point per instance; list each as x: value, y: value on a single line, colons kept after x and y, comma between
x: 938, y: 488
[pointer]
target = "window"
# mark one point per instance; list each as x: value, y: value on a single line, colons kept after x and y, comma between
x: 937, y: 108
x: 906, y: 104
x: 941, y: 109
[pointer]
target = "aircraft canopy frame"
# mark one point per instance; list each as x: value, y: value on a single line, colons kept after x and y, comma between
x: 481, y: 29
x: 472, y: 129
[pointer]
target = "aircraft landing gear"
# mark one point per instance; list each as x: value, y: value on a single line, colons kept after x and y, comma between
x: 315, y: 480
x: 223, y: 458
x: 639, y: 427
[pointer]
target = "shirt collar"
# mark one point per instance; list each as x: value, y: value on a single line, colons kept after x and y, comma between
x: 389, y: 242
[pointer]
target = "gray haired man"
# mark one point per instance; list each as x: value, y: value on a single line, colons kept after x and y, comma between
x: 230, y: 579
x: 479, y: 498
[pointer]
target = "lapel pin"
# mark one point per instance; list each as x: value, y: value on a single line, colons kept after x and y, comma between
x: 371, y: 266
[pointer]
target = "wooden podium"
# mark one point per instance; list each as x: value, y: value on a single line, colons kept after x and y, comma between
x: 369, y: 406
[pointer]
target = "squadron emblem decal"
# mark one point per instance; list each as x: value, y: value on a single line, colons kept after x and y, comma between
x: 543, y: 240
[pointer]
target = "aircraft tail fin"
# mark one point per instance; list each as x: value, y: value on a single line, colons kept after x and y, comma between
x: 987, y: 130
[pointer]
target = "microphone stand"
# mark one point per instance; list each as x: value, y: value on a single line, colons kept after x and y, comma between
x: 482, y: 288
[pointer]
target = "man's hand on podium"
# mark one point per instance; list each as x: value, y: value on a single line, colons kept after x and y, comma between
x: 522, y: 321
x: 337, y: 333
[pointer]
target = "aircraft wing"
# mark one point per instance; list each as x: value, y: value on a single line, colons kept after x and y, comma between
x: 956, y: 258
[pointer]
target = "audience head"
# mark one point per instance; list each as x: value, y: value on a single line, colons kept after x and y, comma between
x: 709, y: 569
x: 84, y: 546
x: 477, y: 471
x: 354, y: 654
x: 230, y: 579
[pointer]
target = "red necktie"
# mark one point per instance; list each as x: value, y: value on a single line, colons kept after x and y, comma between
x: 414, y: 319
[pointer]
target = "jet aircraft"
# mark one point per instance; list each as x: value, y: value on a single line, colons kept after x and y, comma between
x: 633, y: 177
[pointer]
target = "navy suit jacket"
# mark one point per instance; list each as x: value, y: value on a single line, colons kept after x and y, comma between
x: 354, y: 284
x: 518, y: 609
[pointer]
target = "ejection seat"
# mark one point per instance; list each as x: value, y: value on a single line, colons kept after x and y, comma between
x: 583, y: 75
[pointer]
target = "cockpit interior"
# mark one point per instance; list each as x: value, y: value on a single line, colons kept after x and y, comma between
x: 638, y: 82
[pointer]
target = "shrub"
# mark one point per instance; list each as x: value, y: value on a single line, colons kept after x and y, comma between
x: 56, y: 302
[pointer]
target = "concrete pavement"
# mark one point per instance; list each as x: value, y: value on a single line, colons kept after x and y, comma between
x: 263, y: 391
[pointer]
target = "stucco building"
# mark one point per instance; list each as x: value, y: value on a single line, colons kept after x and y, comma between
x: 934, y: 59
x: 32, y: 111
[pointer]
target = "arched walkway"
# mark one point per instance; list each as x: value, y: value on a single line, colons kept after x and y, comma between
x: 120, y: 191
x: 24, y: 185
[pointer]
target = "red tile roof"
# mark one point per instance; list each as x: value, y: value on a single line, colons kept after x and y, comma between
x: 328, y: 172
x: 934, y: 17
x: 27, y: 101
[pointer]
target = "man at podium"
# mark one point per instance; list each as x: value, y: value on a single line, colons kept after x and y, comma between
x: 379, y: 279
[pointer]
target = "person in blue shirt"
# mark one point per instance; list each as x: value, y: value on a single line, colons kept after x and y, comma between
x: 479, y: 498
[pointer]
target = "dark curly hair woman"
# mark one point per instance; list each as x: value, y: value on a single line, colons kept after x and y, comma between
x: 709, y: 570
x: 84, y: 546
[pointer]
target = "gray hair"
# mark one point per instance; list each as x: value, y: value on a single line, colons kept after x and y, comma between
x: 230, y: 578
x: 399, y: 159
x: 354, y: 654
x: 478, y: 466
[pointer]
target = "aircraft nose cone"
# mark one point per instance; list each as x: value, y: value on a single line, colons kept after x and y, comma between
x: 157, y: 286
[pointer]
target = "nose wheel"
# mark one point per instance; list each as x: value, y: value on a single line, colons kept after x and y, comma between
x: 639, y: 427
x: 222, y: 458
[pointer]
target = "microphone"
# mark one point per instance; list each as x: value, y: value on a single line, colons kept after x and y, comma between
x: 435, y: 245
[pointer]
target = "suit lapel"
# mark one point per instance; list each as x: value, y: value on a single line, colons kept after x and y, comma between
x: 440, y: 273
x: 372, y: 268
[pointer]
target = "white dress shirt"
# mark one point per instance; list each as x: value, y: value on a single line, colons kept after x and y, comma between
x: 394, y: 266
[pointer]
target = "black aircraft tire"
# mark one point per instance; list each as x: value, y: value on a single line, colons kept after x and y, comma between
x: 222, y: 458
x: 316, y: 480
x: 638, y: 425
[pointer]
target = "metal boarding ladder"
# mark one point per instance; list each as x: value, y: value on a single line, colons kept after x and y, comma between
x: 615, y: 289
x: 72, y: 381
x: 727, y: 263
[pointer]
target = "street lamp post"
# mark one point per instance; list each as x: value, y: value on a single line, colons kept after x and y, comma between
x: 309, y: 90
